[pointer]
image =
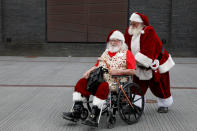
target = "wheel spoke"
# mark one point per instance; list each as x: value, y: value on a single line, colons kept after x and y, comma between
x: 134, y: 93
x: 124, y: 117
x: 137, y: 110
x: 123, y: 102
x: 137, y: 100
x: 129, y: 116
x: 134, y: 112
x: 129, y: 93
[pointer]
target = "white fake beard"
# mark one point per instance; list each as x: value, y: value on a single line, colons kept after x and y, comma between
x: 135, y: 31
x: 113, y: 49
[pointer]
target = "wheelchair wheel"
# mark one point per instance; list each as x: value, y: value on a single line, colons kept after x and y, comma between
x: 84, y: 114
x: 131, y: 114
x: 111, y: 120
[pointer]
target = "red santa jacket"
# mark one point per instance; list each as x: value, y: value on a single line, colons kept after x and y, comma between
x: 150, y: 48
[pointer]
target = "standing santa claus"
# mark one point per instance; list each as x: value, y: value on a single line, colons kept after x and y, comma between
x: 153, y: 62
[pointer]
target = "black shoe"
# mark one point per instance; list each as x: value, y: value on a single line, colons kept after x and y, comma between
x: 162, y: 110
x: 69, y: 116
x: 93, y: 117
x: 75, y: 114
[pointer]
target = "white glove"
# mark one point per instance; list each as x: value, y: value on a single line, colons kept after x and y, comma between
x: 155, y: 64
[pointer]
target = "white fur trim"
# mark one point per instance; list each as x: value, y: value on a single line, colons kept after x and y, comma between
x: 135, y: 44
x: 98, y: 102
x: 117, y: 35
x: 143, y: 74
x: 77, y: 97
x: 142, y: 32
x: 138, y: 102
x: 142, y: 59
x: 167, y: 65
x: 164, y: 102
x: 136, y: 17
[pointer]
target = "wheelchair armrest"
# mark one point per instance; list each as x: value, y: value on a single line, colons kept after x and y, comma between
x: 113, y: 76
x: 130, y: 77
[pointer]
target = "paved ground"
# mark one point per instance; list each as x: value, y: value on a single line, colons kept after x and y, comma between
x: 33, y: 95
x: 62, y: 71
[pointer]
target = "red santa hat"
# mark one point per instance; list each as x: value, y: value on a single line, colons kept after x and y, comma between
x: 138, y: 17
x: 115, y: 34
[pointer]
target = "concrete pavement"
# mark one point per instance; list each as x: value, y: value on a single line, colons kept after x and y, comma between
x: 26, y: 106
x: 65, y: 71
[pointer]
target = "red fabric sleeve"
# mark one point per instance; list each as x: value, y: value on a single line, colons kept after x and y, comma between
x: 97, y: 63
x: 150, y: 44
x: 130, y: 60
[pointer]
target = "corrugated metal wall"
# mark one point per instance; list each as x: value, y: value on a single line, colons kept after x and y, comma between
x: 158, y: 13
x: 25, y: 22
x: 84, y: 20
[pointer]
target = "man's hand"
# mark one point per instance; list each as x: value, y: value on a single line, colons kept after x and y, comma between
x: 122, y: 72
x: 100, y: 59
x: 114, y: 72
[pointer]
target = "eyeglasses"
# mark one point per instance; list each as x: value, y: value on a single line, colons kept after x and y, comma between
x: 133, y: 23
x: 114, y: 40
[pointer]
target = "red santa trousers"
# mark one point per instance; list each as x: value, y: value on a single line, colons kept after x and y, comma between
x: 101, y: 93
x: 160, y: 89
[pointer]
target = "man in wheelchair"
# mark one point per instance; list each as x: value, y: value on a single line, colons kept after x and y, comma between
x: 120, y: 61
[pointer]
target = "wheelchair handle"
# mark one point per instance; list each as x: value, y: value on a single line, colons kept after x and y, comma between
x: 121, y: 76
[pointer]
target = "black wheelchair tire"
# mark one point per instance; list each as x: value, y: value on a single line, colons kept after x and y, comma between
x: 111, y: 120
x: 136, y: 111
x: 84, y: 114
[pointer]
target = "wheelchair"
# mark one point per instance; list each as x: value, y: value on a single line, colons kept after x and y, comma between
x: 127, y: 100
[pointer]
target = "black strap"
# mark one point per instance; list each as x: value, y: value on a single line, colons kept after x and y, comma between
x: 144, y: 68
x: 160, y: 54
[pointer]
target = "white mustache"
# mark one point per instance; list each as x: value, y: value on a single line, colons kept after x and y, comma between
x: 114, y: 48
x: 135, y: 31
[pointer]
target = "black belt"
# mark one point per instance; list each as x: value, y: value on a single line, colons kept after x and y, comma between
x: 160, y: 54
x: 144, y: 68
